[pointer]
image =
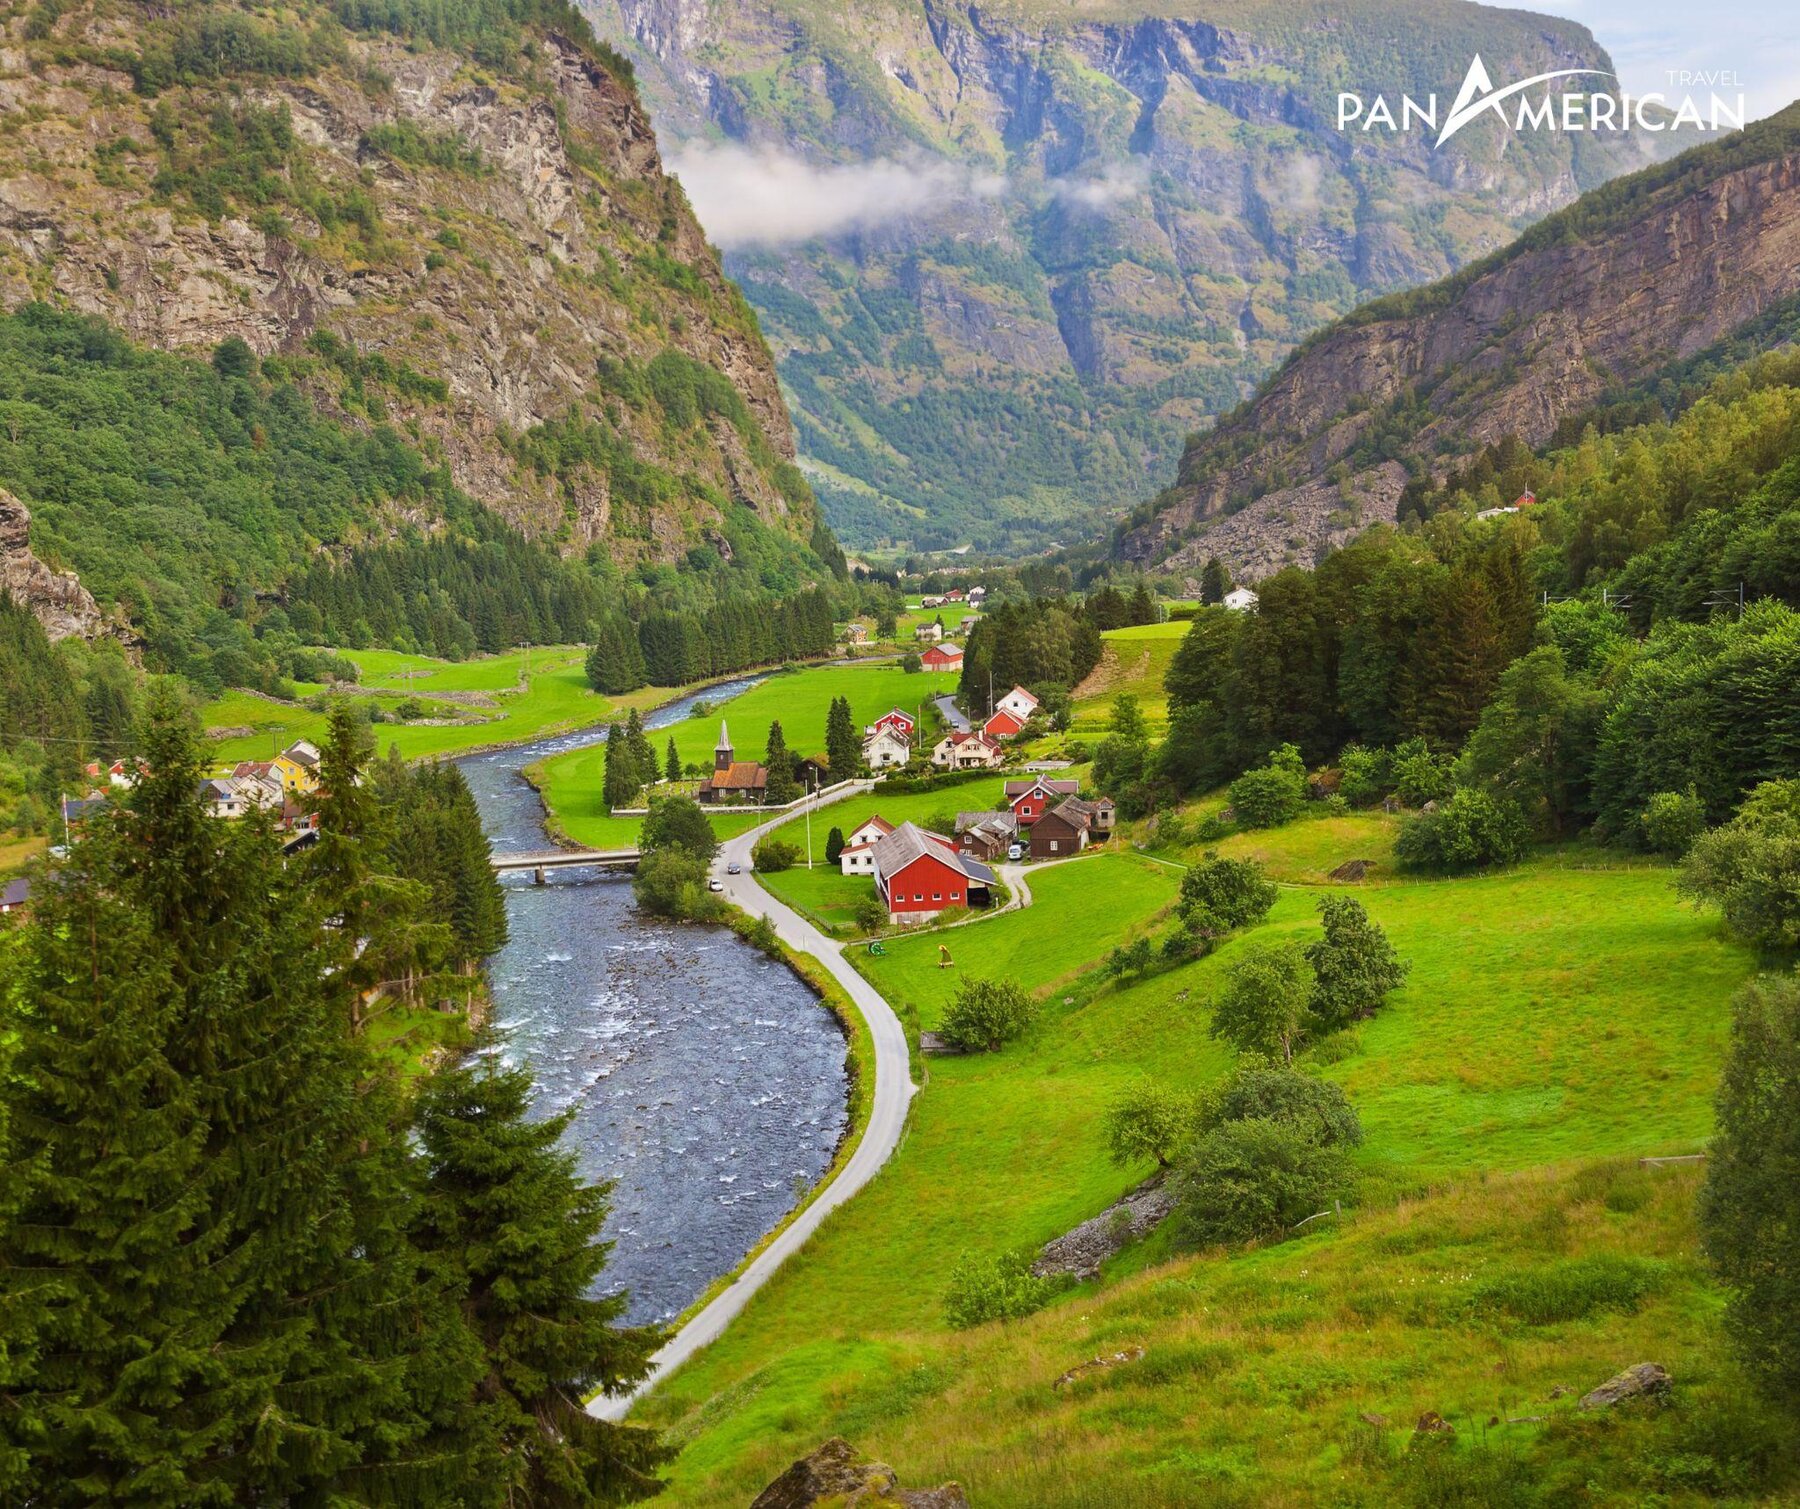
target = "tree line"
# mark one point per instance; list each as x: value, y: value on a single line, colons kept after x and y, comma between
x: 659, y: 647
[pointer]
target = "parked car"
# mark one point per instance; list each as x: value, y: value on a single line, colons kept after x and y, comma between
x: 1015, y: 851
x: 715, y: 884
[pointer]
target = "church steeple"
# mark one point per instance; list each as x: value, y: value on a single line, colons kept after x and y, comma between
x: 722, y: 752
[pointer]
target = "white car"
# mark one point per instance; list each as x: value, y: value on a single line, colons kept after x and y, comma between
x: 715, y: 884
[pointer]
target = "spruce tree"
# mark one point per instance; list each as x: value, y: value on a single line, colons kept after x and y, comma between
x: 780, y: 764
x: 620, y: 784
x: 518, y: 1235
x: 1215, y: 581
x: 672, y: 762
x: 643, y: 757
x: 843, y: 750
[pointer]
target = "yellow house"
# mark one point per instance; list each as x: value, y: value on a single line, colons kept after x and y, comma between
x: 297, y: 766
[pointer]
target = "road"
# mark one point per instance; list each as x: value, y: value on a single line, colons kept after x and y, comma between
x: 887, y: 1116
x: 953, y: 715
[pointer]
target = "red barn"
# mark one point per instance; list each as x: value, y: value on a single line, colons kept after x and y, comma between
x: 942, y: 657
x: 919, y: 874
x: 1031, y: 799
x: 901, y: 723
x: 1005, y: 724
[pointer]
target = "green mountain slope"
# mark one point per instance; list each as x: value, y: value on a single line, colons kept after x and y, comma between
x: 450, y: 220
x: 1638, y: 289
x: 1105, y: 222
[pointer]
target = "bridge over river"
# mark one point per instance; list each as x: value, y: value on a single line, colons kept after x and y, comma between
x: 545, y: 860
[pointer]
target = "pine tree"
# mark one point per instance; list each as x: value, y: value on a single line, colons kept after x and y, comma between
x: 780, y: 764
x: 672, y: 762
x: 843, y: 750
x: 518, y: 1235
x: 1215, y: 581
x: 643, y: 757
x: 620, y: 785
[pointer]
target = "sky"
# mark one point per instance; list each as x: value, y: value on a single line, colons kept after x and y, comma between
x: 1759, y: 40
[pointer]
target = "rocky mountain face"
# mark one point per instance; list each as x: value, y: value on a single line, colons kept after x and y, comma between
x: 1097, y: 225
x: 56, y: 599
x: 1632, y: 281
x: 468, y: 237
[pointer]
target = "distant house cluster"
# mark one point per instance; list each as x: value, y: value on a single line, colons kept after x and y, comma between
x: 286, y: 786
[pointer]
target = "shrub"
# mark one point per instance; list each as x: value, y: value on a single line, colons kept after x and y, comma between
x: 1750, y: 868
x: 672, y: 883
x: 869, y: 914
x: 760, y: 934
x: 1354, y: 964
x: 773, y: 854
x: 1249, y: 1179
x: 911, y: 663
x: 1148, y: 1120
x: 834, y: 845
x: 1218, y: 895
x: 1367, y: 775
x: 1130, y: 958
x: 1418, y: 775
x: 1471, y: 830
x: 1672, y: 821
x: 987, y: 1013
x: 996, y: 1288
x: 1268, y: 1092
x: 1273, y: 793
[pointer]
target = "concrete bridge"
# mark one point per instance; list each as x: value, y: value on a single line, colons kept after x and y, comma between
x: 565, y: 859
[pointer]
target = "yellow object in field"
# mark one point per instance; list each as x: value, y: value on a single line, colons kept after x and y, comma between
x: 944, y: 959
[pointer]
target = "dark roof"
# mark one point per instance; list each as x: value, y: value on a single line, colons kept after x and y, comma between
x: 1004, y: 822
x: 17, y: 892
x: 76, y: 808
x: 1073, y: 811
x: 909, y: 843
x: 302, y: 757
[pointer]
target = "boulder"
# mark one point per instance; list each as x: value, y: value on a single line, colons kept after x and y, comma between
x: 1352, y: 869
x: 1099, y: 1365
x: 1431, y: 1423
x: 838, y: 1474
x: 1645, y: 1381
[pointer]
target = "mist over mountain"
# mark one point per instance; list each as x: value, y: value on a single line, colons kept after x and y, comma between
x: 1009, y: 257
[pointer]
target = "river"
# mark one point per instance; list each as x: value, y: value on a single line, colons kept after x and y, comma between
x: 706, y: 1081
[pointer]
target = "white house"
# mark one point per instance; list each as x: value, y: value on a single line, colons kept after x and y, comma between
x: 977, y: 596
x: 885, y: 749
x: 1240, y: 600
x: 928, y: 633
x: 1019, y: 702
x: 971, y: 750
x: 873, y: 827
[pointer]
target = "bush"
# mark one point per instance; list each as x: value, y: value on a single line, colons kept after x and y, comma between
x: 1130, y: 958
x: 911, y: 663
x: 1367, y: 775
x: 1418, y: 775
x: 773, y: 854
x: 1250, y: 1179
x: 834, y: 845
x: 1354, y: 964
x: 1672, y: 821
x: 1470, y: 831
x: 1261, y: 1091
x: 678, y: 822
x: 760, y: 934
x: 1148, y: 1120
x: 997, y: 1288
x: 1750, y: 868
x: 1218, y: 895
x: 869, y: 914
x: 672, y: 883
x: 987, y: 1013
x: 1272, y: 794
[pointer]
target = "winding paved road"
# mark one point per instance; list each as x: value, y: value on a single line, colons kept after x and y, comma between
x: 887, y: 1115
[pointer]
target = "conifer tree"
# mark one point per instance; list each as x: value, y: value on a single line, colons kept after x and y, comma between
x: 519, y: 1236
x: 1215, y: 581
x: 621, y: 782
x: 643, y: 757
x: 780, y: 763
x: 672, y: 762
x: 843, y: 750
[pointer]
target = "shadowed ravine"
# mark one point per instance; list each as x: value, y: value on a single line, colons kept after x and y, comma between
x: 707, y: 1081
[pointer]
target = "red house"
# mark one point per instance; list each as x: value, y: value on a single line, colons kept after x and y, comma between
x: 901, y: 723
x: 1005, y: 724
x: 942, y: 657
x: 919, y: 874
x: 1031, y: 799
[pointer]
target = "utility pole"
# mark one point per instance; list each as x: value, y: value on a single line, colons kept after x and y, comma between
x: 809, y: 801
x: 1732, y: 600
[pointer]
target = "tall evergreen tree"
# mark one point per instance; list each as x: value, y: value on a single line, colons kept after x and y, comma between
x: 843, y: 750
x: 643, y: 757
x: 620, y: 785
x: 507, y: 1218
x: 672, y: 762
x: 1215, y: 581
x: 780, y: 765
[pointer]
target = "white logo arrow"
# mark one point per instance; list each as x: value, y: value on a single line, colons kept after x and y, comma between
x: 1478, y: 94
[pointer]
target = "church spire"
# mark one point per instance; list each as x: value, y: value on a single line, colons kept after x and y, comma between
x: 722, y: 752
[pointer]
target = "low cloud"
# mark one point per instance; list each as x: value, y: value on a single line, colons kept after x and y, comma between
x: 1101, y: 191
x: 747, y: 196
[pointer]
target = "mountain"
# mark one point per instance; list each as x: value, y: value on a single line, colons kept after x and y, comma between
x: 1091, y: 226
x: 445, y: 222
x: 1632, y: 291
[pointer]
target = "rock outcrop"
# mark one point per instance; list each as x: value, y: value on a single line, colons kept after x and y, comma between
x: 62, y: 605
x: 490, y: 247
x: 1636, y: 277
x: 1081, y: 1251
x: 838, y: 1475
x: 1647, y: 1380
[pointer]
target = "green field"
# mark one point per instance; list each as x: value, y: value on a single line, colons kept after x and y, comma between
x: 571, y: 783
x: 1132, y: 660
x: 557, y: 699
x: 1556, y: 1014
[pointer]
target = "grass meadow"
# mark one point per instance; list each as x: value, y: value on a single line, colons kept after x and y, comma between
x: 1132, y: 660
x: 1564, y: 1015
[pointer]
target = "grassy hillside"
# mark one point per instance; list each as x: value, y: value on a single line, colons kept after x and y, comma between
x: 1565, y: 1012
x: 1134, y: 661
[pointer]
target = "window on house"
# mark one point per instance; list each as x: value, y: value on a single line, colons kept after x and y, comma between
x: 937, y: 895
x: 1052, y: 846
x: 955, y: 895
x: 918, y: 895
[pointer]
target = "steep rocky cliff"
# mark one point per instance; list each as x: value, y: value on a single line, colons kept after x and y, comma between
x: 1631, y: 281
x: 1101, y: 224
x: 453, y: 223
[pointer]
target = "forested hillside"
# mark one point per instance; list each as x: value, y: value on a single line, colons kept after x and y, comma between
x: 1090, y: 227
x: 446, y: 228
x: 1619, y: 307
